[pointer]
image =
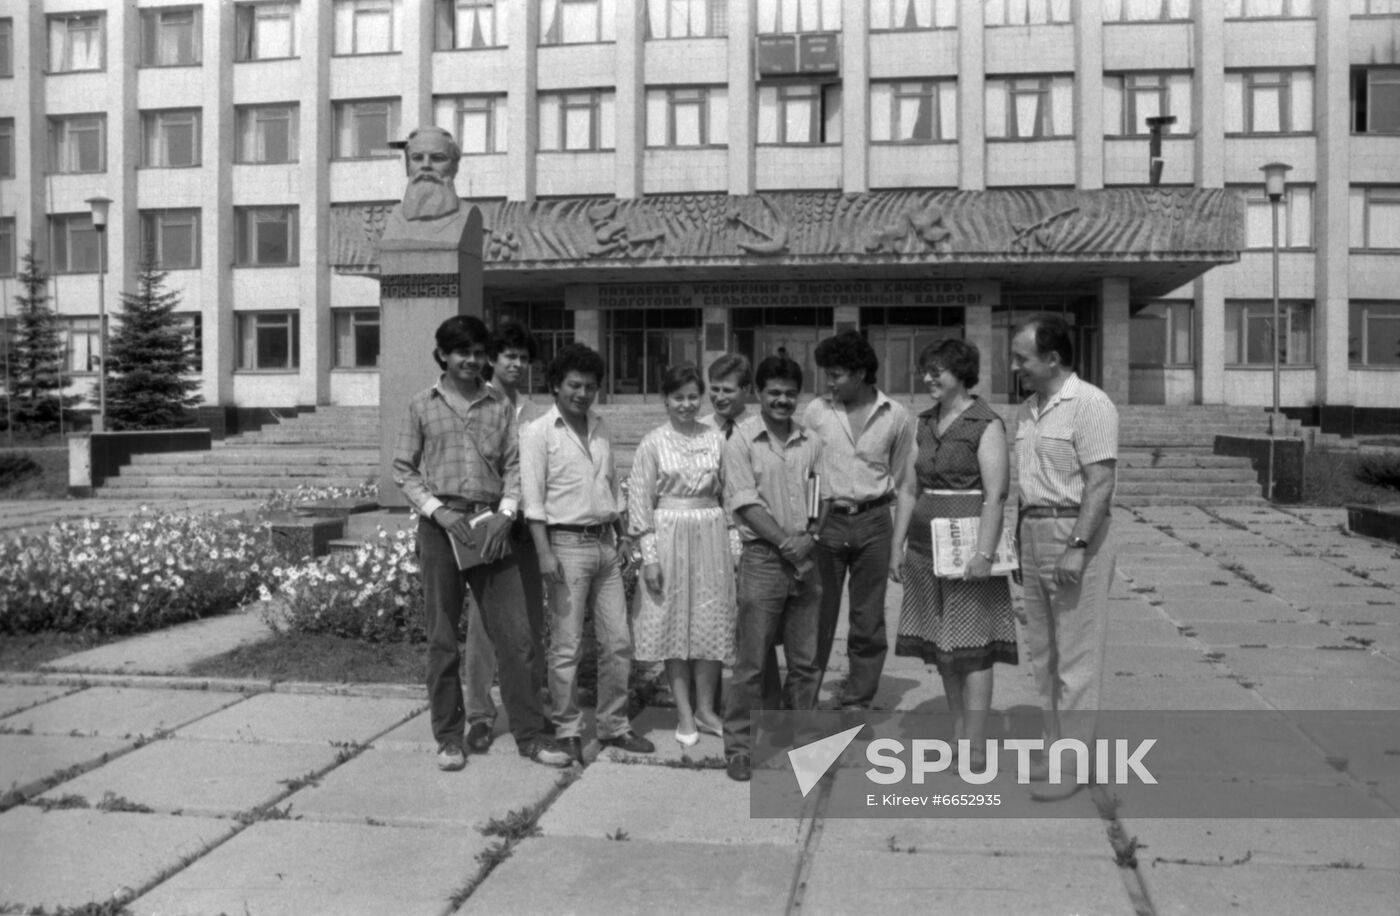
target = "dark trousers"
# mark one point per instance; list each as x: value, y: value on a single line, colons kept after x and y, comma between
x: 858, y: 545
x: 771, y: 603
x: 498, y: 591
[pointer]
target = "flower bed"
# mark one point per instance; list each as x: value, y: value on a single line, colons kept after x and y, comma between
x: 110, y: 577
x: 374, y: 593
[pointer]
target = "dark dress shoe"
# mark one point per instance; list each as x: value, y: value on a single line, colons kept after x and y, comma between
x: 631, y: 742
x: 479, y: 737
x: 739, y: 769
x: 573, y: 747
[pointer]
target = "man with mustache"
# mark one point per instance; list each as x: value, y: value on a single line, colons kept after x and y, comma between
x: 430, y: 211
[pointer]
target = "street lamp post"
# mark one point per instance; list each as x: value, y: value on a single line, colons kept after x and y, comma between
x: 99, y: 205
x: 1274, y: 174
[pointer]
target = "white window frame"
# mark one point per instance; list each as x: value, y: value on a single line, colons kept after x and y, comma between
x: 1026, y: 12
x: 73, y: 244
x: 460, y: 21
x: 1365, y: 313
x: 192, y: 328
x: 1363, y: 101
x: 7, y: 147
x: 889, y: 111
x: 785, y: 17
x: 64, y: 30
x: 667, y: 19
x: 577, y: 22
x: 155, y: 137
x: 251, y: 140
x: 1124, y: 114
x: 1177, y: 316
x: 354, y: 115
x: 157, y: 25
x: 351, y: 15
x: 1052, y: 119
x: 1244, y: 90
x: 1240, y: 314
x: 1362, y: 8
x: 155, y: 228
x: 781, y: 107
x: 81, y: 336
x: 252, y: 325
x: 1295, y: 218
x: 9, y: 251
x: 66, y: 136
x: 1146, y: 10
x: 558, y: 133
x: 1364, y: 234
x: 347, y: 322
x: 248, y: 222
x: 7, y: 47
x: 459, y: 115
x: 707, y: 108
x: 1270, y: 9
x: 913, y: 15
x: 251, y: 31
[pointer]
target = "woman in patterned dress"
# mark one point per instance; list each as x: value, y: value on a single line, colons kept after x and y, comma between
x: 686, y: 610
x: 963, y: 626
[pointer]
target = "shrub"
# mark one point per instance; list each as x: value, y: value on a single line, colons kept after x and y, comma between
x: 374, y: 593
x: 283, y: 500
x: 110, y: 577
x: 16, y: 466
x: 1381, y: 470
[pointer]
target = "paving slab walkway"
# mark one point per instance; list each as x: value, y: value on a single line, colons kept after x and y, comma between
x: 181, y: 796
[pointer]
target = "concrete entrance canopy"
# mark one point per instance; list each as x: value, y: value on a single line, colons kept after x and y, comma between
x: 1156, y: 239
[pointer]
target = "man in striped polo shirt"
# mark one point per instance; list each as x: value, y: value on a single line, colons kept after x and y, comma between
x: 1066, y: 454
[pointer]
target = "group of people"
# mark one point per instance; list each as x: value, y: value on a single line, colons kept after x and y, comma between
x: 749, y: 525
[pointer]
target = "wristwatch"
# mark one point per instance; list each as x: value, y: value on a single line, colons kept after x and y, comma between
x: 509, y: 513
x: 1077, y: 544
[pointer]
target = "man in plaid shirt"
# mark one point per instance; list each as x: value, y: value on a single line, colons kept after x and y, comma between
x: 458, y: 456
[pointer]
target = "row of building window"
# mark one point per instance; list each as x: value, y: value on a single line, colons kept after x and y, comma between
x: 906, y: 111
x: 268, y: 30
x: 267, y: 236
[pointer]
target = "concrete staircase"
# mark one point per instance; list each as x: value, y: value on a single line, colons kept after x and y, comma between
x: 1165, y: 455
x: 334, y: 446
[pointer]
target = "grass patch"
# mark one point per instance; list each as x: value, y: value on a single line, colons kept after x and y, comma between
x: 27, y: 651
x: 319, y: 657
x: 34, y: 473
x: 1329, y: 479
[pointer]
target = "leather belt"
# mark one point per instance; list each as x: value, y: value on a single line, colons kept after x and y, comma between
x: 1050, y: 512
x: 598, y: 531
x: 858, y: 508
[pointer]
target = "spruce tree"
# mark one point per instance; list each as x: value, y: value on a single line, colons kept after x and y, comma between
x: 36, y: 379
x: 150, y: 358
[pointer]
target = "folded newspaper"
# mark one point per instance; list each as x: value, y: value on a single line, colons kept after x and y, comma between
x: 955, y: 542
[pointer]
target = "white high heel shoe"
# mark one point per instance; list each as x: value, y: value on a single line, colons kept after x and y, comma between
x: 685, y: 740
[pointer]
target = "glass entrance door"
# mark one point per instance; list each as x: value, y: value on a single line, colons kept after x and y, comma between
x: 1079, y: 311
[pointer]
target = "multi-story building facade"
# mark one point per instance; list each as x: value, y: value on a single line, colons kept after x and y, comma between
x: 666, y: 179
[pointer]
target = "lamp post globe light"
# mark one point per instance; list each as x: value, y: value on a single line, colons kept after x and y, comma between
x: 100, y: 205
x: 1274, y: 185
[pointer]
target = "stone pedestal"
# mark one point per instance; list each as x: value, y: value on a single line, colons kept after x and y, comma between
x: 428, y: 273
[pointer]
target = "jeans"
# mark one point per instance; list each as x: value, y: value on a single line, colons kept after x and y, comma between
x: 592, y: 576
x: 1066, y: 625
x: 771, y: 602
x: 858, y: 545
x: 481, y: 655
x: 501, y: 598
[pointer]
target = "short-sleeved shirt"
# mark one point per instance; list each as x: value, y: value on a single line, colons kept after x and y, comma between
x: 875, y: 465
x: 1054, y: 443
x: 445, y: 449
x: 775, y: 474
x: 562, y: 482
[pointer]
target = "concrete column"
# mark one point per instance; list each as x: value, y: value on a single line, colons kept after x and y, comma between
x: 1208, y: 337
x: 977, y: 330
x: 1088, y: 78
x: 742, y: 99
x: 416, y: 65
x: 216, y: 241
x: 714, y: 335
x: 1331, y: 201
x: 317, y: 143
x: 1113, y: 334
x: 23, y: 94
x: 855, y: 96
x: 972, y: 101
x: 123, y: 155
x: 630, y: 105
x: 522, y: 102
x: 1208, y: 92
x: 845, y: 318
